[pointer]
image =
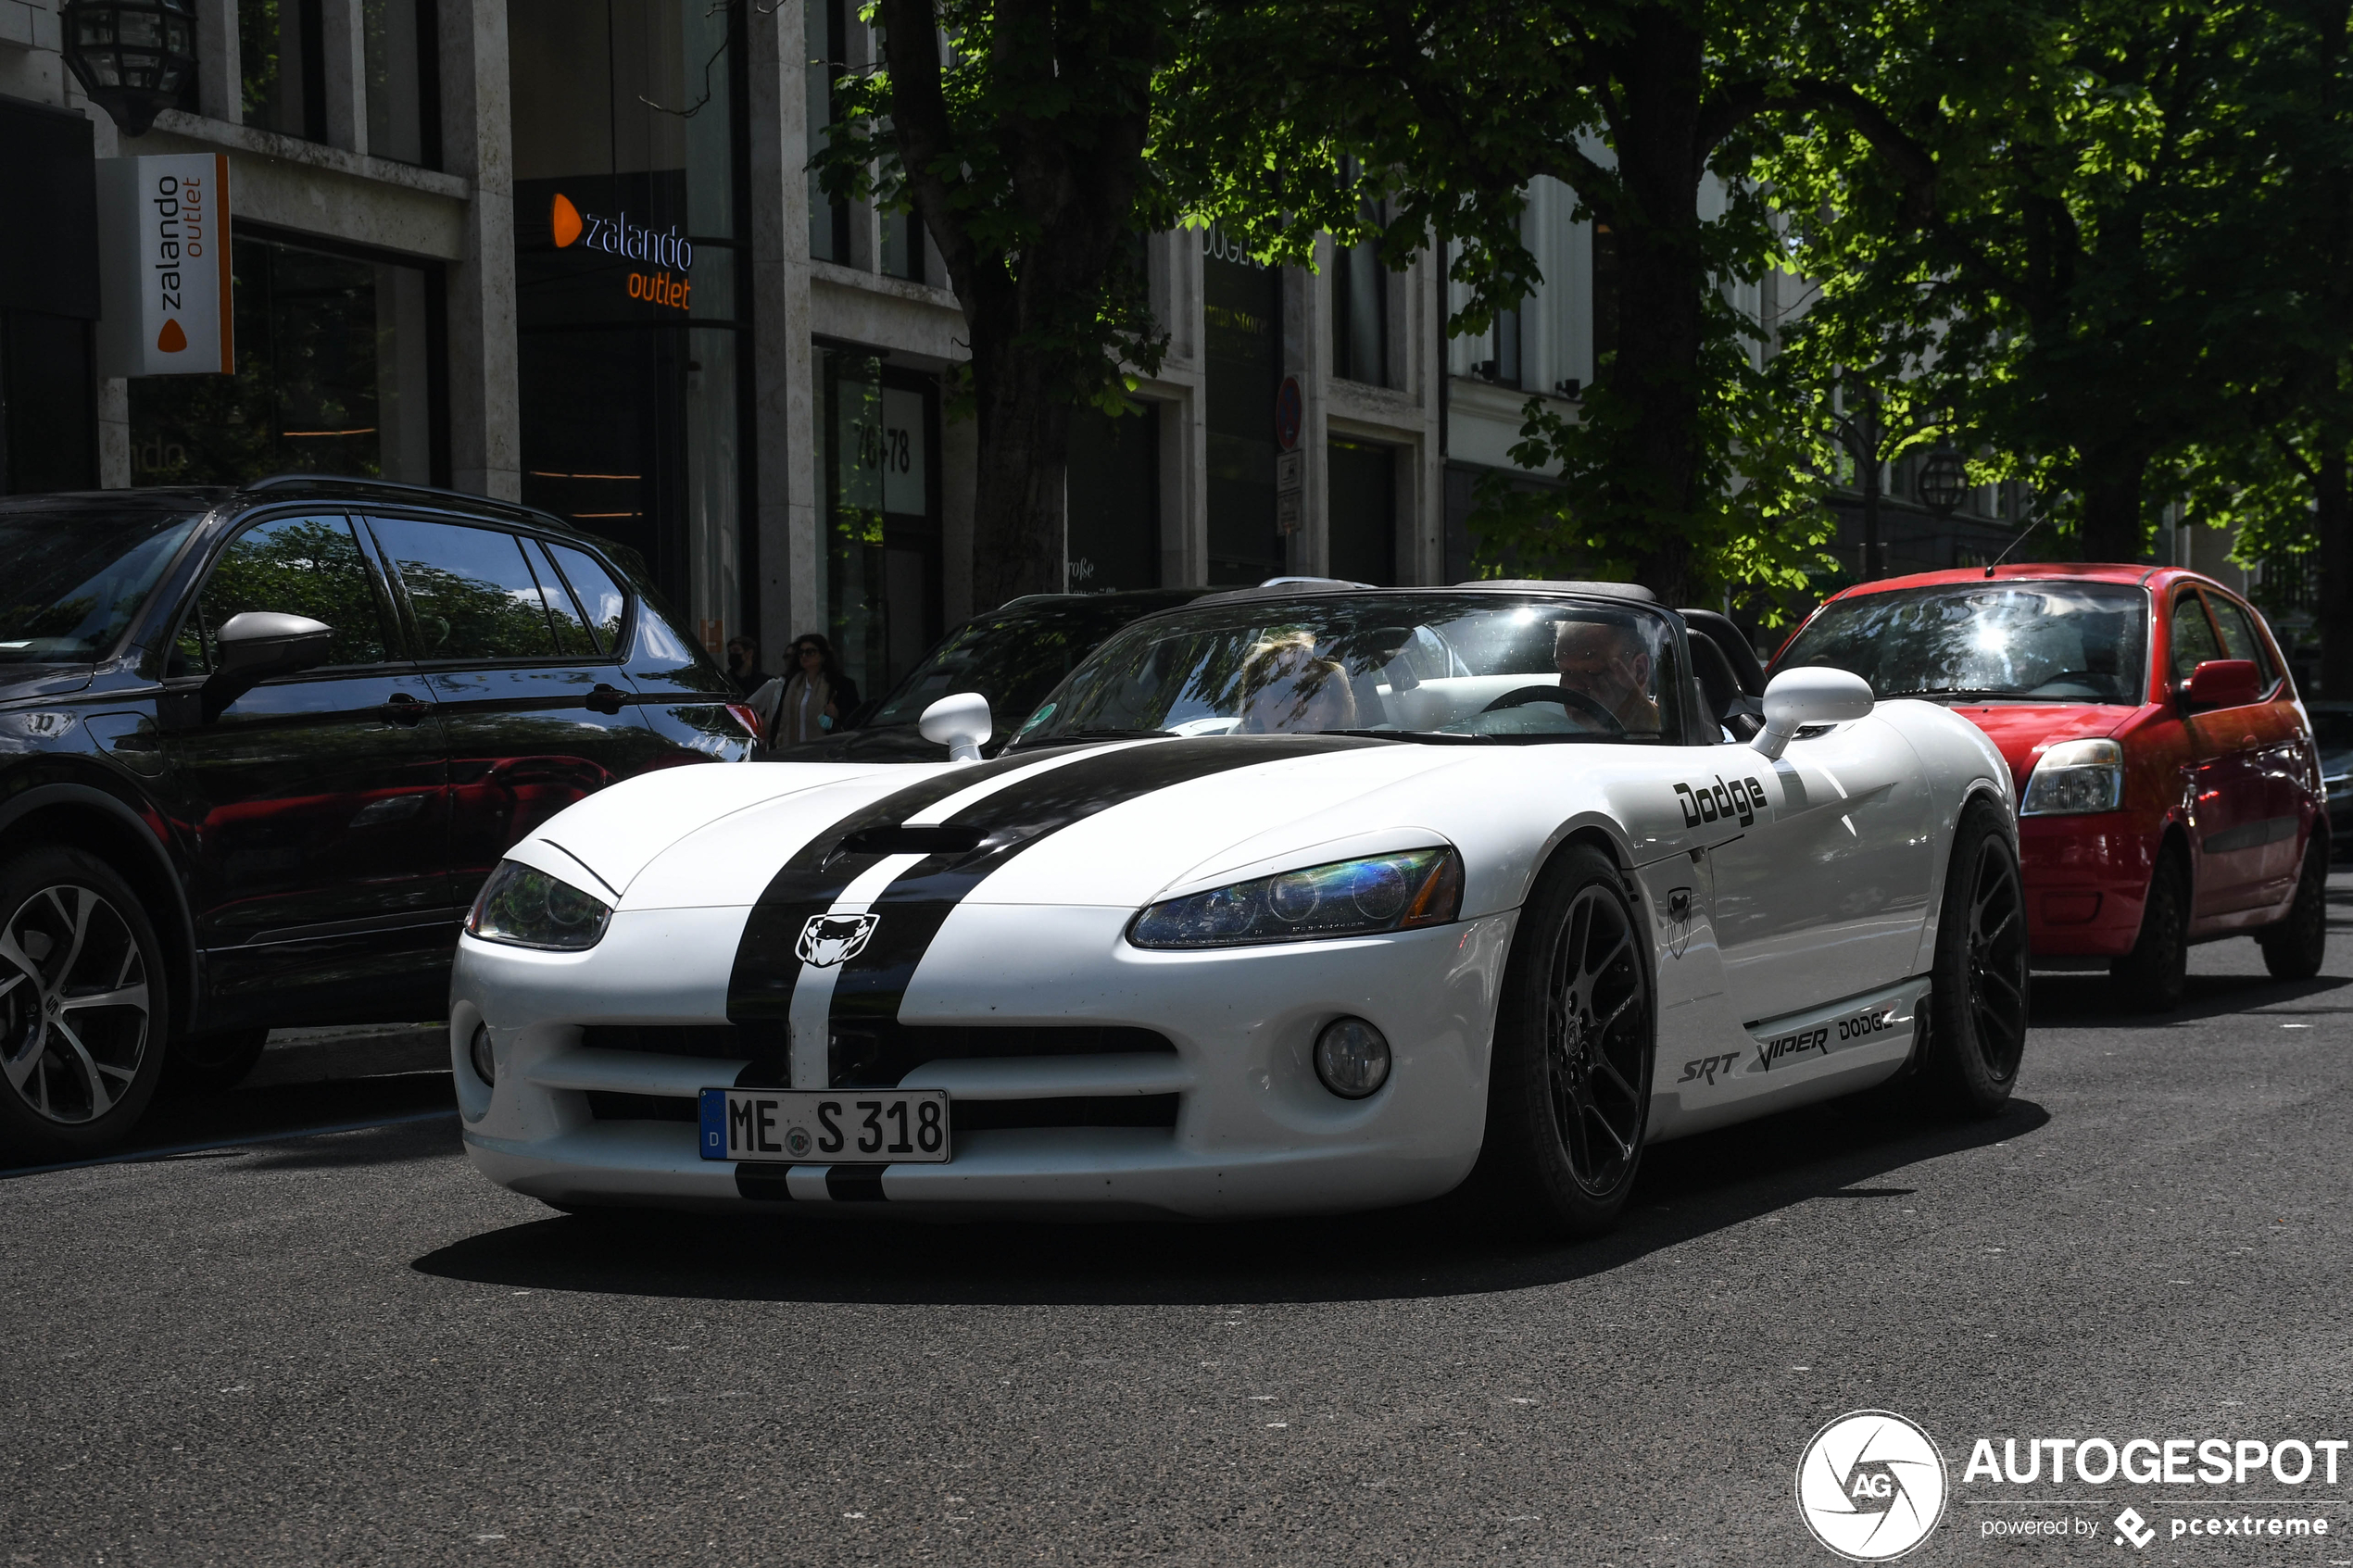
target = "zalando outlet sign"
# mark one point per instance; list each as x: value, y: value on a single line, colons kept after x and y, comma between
x: 659, y: 249
x: 163, y: 266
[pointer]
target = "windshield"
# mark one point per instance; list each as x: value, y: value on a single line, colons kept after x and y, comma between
x: 1424, y: 664
x: 1013, y: 661
x: 78, y: 577
x: 2050, y: 642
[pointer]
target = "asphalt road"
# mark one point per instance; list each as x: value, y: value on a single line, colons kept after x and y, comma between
x: 346, y: 1347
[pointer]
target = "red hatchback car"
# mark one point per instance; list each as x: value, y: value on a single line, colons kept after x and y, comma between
x: 2168, y: 789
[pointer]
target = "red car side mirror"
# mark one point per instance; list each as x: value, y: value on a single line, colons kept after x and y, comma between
x: 2223, y: 683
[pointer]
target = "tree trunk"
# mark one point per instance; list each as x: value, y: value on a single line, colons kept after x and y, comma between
x: 2331, y: 501
x: 1019, y: 526
x: 1662, y: 272
x: 2112, y: 527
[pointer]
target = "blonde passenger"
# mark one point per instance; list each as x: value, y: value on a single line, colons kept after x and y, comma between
x: 1287, y: 689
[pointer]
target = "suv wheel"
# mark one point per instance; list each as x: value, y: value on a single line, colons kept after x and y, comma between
x: 82, y: 1005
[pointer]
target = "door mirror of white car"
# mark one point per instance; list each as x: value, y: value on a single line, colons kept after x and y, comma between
x: 960, y: 722
x: 1811, y: 695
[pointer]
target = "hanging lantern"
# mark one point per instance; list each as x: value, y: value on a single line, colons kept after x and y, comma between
x: 132, y: 56
x: 1943, y: 482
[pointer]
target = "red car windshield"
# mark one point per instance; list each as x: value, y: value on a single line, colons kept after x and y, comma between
x: 2018, y: 641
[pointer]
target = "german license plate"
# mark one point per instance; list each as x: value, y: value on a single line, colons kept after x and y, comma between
x: 825, y: 1126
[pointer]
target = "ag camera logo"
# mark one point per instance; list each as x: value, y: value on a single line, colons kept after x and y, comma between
x: 1871, y: 1486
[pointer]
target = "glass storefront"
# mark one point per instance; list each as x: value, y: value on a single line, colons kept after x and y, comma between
x: 1113, y: 498
x: 1242, y: 308
x: 338, y: 372
x: 878, y: 433
x: 632, y: 332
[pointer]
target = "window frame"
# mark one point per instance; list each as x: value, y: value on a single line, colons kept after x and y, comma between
x: 394, y: 631
x: 390, y: 567
x: 2268, y: 663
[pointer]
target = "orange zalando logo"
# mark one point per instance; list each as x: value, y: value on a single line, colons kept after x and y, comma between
x: 172, y: 340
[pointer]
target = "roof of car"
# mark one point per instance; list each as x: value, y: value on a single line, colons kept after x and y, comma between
x: 2085, y: 571
x: 294, y: 486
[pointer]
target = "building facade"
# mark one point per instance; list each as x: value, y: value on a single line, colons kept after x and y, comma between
x: 567, y: 252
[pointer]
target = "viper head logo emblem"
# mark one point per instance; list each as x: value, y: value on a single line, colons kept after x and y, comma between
x: 828, y: 940
x: 1679, y: 921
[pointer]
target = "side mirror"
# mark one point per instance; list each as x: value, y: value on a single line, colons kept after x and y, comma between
x: 1813, y: 695
x: 257, y: 644
x: 960, y: 722
x: 2224, y: 683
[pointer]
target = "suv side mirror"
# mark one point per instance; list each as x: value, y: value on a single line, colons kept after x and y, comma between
x: 1810, y: 695
x: 2223, y: 683
x: 960, y: 722
x: 257, y: 644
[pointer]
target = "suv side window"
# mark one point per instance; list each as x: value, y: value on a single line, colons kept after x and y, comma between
x: 471, y: 590
x: 2240, y: 637
x: 599, y: 595
x: 2193, y: 641
x: 299, y: 565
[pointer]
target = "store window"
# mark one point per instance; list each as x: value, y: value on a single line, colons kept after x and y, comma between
x: 1242, y: 308
x: 401, y: 44
x: 629, y: 202
x: 1361, y: 537
x: 883, y: 584
x: 1111, y: 497
x: 338, y: 372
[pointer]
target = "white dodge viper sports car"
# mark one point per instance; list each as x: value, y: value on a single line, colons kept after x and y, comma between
x: 1291, y: 900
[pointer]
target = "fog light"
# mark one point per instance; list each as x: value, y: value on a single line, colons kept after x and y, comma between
x: 1352, y: 1058
x: 478, y: 1052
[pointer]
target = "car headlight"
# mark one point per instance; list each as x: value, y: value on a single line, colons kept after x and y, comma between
x: 1358, y: 897
x: 2074, y: 777
x: 526, y: 908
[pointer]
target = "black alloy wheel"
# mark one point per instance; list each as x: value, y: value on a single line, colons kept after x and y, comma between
x: 2294, y: 949
x: 1977, y: 1007
x: 82, y: 1004
x: 1568, y: 1090
x: 2152, y: 976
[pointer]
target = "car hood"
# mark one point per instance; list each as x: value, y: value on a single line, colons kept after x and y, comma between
x: 2023, y: 730
x: 1111, y: 824
x: 22, y: 681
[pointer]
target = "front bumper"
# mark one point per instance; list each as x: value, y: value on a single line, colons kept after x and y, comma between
x: 1254, y: 1133
x: 2086, y: 880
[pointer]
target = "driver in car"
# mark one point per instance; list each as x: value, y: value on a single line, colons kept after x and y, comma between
x: 1608, y: 665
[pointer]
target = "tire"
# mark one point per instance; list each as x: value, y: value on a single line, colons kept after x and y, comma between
x: 204, y: 1065
x: 1977, y: 1004
x: 2150, y: 977
x: 76, y: 1071
x: 2294, y: 949
x: 1569, y: 1080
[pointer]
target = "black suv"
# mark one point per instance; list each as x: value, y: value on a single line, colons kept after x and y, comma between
x: 259, y: 749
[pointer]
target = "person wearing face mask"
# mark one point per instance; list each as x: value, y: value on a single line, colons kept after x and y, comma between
x: 811, y: 700
x: 743, y: 665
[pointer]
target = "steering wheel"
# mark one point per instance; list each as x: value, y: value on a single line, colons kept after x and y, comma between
x: 1562, y: 695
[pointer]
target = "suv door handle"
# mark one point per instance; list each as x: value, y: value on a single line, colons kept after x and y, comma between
x: 402, y: 708
x: 605, y: 698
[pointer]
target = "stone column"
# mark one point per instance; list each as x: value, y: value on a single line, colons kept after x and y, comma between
x: 786, y: 513
x: 485, y: 441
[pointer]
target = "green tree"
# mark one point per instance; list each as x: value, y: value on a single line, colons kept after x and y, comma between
x: 1021, y: 145
x: 2055, y: 211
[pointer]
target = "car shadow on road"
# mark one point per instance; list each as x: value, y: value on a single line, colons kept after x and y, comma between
x: 2092, y: 1001
x: 1834, y: 1152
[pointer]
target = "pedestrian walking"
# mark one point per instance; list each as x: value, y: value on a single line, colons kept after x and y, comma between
x: 743, y: 665
x: 811, y: 700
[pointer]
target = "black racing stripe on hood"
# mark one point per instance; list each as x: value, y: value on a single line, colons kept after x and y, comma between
x: 914, y: 908
x: 759, y: 987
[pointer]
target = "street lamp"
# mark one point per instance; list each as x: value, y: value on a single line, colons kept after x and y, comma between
x: 131, y: 56
x: 1944, y: 479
